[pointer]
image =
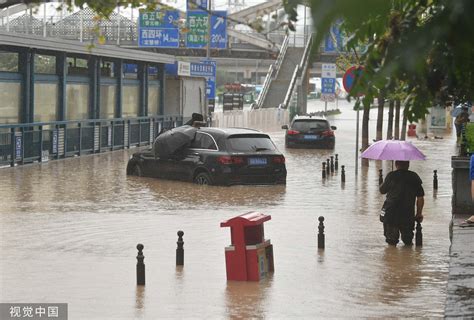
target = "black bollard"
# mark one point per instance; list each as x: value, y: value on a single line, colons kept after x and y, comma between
x: 336, y: 163
x: 328, y: 166
x: 332, y: 164
x: 435, y: 179
x: 180, y: 250
x: 343, y: 174
x: 321, y: 233
x: 140, y: 266
x: 380, y: 177
x: 324, y: 170
x: 419, y: 235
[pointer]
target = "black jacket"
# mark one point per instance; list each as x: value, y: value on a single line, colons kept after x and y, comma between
x: 402, y: 188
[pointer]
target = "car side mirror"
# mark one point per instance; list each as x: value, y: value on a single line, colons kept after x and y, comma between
x: 285, y: 126
x: 333, y: 127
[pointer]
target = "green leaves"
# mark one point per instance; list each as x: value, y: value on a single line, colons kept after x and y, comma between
x: 422, y: 50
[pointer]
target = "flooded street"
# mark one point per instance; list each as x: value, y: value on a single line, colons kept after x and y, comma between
x: 69, y: 231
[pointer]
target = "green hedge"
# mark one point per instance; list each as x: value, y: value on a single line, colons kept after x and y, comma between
x: 469, y: 134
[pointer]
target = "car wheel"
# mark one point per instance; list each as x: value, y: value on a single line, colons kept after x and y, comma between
x: 203, y: 179
x: 137, y: 170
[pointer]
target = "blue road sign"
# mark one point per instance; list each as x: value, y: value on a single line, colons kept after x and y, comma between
x: 157, y: 37
x: 159, y: 19
x: 211, y: 79
x: 328, y: 85
x: 219, y: 30
x: 159, y: 29
x: 333, y: 40
x: 198, y: 29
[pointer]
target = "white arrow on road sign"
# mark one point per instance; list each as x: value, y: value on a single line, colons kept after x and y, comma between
x: 219, y: 21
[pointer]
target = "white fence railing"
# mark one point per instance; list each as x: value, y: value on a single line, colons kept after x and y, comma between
x: 266, y: 119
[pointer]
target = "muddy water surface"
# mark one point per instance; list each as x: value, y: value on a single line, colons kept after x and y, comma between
x: 69, y: 230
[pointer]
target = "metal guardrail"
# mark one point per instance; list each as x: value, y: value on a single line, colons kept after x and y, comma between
x: 299, y: 70
x: 281, y: 56
x: 44, y: 141
x: 272, y: 73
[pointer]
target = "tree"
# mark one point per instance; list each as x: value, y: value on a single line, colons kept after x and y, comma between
x: 381, y: 104
x: 425, y: 44
x: 397, y: 118
x: 391, y: 106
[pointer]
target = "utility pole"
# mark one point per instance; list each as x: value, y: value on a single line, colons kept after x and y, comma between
x: 208, y: 51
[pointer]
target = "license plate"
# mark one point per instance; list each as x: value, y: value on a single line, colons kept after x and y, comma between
x: 311, y: 137
x: 257, y: 161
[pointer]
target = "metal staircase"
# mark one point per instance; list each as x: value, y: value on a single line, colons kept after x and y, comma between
x: 282, y: 76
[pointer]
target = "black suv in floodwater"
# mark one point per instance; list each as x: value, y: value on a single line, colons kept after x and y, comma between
x: 216, y: 156
x: 310, y: 132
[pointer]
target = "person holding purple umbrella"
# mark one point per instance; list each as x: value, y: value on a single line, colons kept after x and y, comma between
x: 404, y: 189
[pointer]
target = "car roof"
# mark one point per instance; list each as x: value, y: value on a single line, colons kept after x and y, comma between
x: 309, y: 118
x: 230, y: 131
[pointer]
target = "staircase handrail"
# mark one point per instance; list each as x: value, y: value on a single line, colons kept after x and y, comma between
x: 274, y: 68
x: 281, y: 55
x: 265, y: 87
x: 299, y: 69
x: 305, y: 58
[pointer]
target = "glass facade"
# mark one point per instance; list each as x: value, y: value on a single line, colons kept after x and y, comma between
x: 46, y: 105
x: 10, y: 106
x: 46, y: 102
x: 130, y: 101
x: 77, y: 107
x: 8, y: 61
x: 108, y: 100
x: 153, y: 98
x: 45, y: 64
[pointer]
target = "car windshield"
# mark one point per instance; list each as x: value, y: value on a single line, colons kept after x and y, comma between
x: 310, y: 124
x: 249, y: 143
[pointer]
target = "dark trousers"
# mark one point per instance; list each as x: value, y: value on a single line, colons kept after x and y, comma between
x: 393, y: 231
x: 458, y: 129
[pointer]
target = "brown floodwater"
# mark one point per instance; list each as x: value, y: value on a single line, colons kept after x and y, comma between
x: 69, y: 229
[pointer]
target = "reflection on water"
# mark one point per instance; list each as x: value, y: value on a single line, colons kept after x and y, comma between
x: 175, y: 195
x: 139, y: 301
x: 247, y: 300
x: 72, y: 225
x: 401, y: 273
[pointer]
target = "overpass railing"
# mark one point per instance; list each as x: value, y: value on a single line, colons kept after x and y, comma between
x: 40, y: 142
x: 272, y: 73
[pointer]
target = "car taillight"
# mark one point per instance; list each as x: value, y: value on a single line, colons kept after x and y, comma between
x: 237, y: 160
x: 291, y: 132
x: 230, y: 160
x: 279, y: 159
x: 328, y: 133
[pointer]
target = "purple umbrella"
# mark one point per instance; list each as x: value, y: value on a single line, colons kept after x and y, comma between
x: 393, y: 150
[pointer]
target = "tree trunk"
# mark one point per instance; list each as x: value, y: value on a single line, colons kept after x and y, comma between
x: 365, y: 131
x: 397, y: 119
x: 381, y: 102
x: 390, y: 120
x: 404, y: 127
